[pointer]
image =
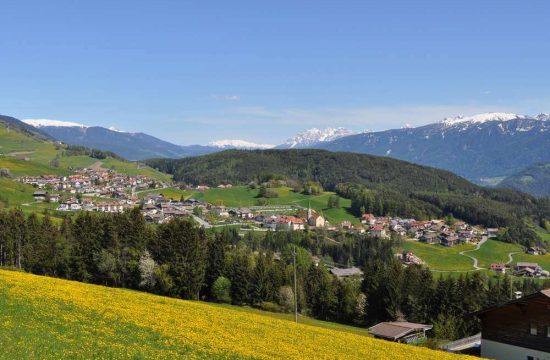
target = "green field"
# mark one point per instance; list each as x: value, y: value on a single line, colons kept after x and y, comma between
x: 168, y: 193
x: 441, y: 258
x: 494, y: 251
x: 239, y: 196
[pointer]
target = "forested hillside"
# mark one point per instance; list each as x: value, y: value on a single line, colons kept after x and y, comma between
x: 534, y: 180
x: 380, y: 185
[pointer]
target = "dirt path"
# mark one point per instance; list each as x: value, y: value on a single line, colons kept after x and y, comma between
x: 510, y: 256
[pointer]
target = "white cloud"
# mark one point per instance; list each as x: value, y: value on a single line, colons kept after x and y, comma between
x: 226, y: 97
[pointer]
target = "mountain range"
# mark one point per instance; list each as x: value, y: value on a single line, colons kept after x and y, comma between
x: 140, y: 146
x: 484, y: 148
x: 479, y: 148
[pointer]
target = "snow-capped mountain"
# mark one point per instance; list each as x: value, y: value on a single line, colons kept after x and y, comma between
x: 312, y: 137
x: 40, y: 123
x: 482, y: 118
x: 481, y: 146
x: 239, y: 144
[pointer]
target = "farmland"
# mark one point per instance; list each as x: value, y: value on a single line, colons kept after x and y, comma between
x: 239, y: 196
x: 58, y: 318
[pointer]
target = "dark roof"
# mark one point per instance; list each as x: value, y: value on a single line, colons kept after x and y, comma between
x: 396, y: 330
x: 346, y: 272
x: 545, y: 293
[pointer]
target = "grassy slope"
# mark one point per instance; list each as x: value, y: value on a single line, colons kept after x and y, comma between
x: 494, y: 251
x: 41, y: 153
x: 50, y: 319
x: 243, y: 196
x: 439, y: 257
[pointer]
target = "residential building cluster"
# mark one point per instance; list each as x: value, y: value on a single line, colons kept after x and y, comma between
x: 90, y: 190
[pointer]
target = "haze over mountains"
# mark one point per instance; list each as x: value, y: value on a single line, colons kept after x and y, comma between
x: 484, y: 148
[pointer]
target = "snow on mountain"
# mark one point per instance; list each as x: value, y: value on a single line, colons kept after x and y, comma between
x: 38, y: 123
x: 239, y: 144
x: 314, y: 136
x: 482, y: 118
x: 543, y: 117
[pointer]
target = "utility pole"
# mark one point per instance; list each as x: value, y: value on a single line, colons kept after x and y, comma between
x: 295, y: 286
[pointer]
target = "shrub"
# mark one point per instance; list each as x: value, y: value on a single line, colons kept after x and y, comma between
x: 221, y: 290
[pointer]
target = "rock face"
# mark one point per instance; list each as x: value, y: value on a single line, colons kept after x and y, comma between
x: 476, y: 147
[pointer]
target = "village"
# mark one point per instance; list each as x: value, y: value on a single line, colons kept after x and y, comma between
x: 102, y: 190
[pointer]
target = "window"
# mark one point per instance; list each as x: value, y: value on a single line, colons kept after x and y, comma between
x: 530, y: 358
x: 533, y: 329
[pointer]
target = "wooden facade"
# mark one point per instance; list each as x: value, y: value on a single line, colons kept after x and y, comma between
x: 524, y: 322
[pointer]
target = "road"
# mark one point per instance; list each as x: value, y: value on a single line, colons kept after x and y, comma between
x: 463, y: 253
x: 201, y: 222
x: 510, y: 256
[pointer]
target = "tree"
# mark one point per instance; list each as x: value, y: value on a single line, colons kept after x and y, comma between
x: 286, y: 298
x: 216, y: 258
x: 333, y: 201
x: 320, y: 295
x: 147, y: 267
x: 221, y: 290
x: 182, y: 245
x: 240, y: 278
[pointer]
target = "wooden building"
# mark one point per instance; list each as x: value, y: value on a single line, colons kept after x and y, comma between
x: 400, y: 331
x: 518, y: 329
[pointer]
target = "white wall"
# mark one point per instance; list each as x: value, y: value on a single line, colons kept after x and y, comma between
x: 499, y: 351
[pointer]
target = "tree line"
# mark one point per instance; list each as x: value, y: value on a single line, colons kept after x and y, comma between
x: 182, y: 260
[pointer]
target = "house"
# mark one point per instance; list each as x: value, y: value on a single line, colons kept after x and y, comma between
x: 430, y: 238
x: 346, y: 225
x: 400, y: 331
x: 460, y: 225
x: 498, y: 267
x: 377, y: 230
x: 220, y: 211
x: 54, y: 198
x: 368, y: 219
x: 492, y: 232
x: 518, y: 329
x: 40, y: 195
x: 347, y: 272
x: 449, y: 241
x: 316, y: 220
x: 536, y: 251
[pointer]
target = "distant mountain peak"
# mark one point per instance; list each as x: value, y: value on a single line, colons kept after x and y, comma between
x: 482, y: 118
x: 543, y: 117
x: 314, y: 135
x: 38, y: 123
x: 239, y: 144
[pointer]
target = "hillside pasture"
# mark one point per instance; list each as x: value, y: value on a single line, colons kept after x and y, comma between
x: 50, y: 319
x: 240, y: 196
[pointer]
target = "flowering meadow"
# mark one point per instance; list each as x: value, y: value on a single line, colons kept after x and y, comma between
x: 47, y: 318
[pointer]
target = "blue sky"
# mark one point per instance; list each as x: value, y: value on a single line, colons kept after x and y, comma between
x: 196, y: 71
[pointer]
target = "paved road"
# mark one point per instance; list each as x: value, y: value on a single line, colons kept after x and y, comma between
x: 201, y: 222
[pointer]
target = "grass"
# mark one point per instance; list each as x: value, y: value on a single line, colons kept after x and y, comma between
x: 239, y: 196
x: 494, y: 251
x: 24, y: 155
x: 442, y: 258
x: 169, y: 193
x: 49, y: 318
